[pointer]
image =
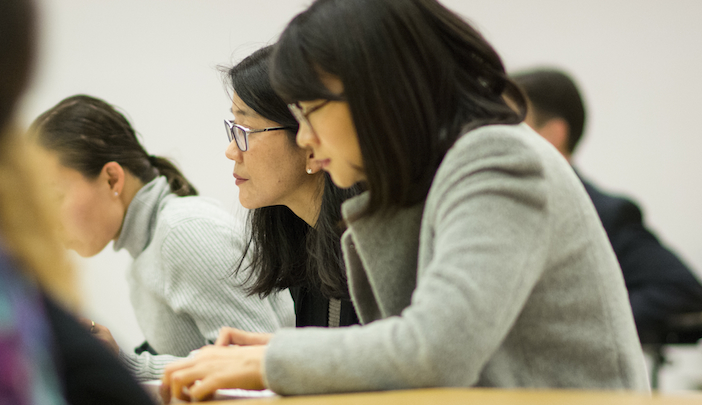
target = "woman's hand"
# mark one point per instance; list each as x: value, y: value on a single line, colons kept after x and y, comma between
x: 212, y: 368
x: 102, y: 334
x: 232, y: 336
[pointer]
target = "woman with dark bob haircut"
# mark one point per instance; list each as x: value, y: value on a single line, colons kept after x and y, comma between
x: 283, y: 250
x: 475, y: 258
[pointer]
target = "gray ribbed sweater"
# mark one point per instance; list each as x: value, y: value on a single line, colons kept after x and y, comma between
x: 504, y: 277
x: 181, y: 284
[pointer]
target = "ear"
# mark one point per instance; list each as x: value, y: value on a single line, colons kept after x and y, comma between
x: 312, y: 165
x: 556, y: 131
x: 113, y: 173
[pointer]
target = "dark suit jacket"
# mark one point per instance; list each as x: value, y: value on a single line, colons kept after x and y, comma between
x: 659, y: 283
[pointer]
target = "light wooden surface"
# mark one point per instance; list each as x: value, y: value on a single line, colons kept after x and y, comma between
x: 478, y: 396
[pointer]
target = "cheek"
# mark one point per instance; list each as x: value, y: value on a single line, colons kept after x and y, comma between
x: 88, y: 223
x: 341, y: 142
x: 275, y: 175
x: 81, y: 222
x: 75, y: 215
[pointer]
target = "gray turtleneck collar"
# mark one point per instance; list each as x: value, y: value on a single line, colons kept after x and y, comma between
x: 140, y: 220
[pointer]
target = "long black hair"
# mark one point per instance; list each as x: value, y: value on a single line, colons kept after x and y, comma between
x: 415, y: 76
x: 87, y: 132
x: 282, y: 248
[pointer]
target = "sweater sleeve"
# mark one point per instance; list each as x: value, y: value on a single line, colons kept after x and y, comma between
x: 146, y: 366
x: 488, y: 207
x: 198, y: 258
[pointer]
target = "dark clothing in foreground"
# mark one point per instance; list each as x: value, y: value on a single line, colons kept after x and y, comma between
x: 90, y: 373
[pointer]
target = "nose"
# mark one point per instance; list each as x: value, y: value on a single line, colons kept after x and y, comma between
x: 306, y: 137
x: 233, y: 152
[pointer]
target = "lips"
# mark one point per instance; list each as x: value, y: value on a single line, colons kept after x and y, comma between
x: 239, y: 180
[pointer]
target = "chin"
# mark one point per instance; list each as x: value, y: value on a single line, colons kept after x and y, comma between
x: 248, y: 204
x: 343, y: 181
x: 84, y: 250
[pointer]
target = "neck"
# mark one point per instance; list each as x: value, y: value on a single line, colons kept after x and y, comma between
x: 132, y: 185
x: 308, y: 201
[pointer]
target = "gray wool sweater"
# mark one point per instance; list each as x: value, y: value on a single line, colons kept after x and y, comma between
x: 503, y: 277
x: 181, y: 285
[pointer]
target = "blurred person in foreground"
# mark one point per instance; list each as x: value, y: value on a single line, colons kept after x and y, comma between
x: 37, y: 335
x: 660, y: 285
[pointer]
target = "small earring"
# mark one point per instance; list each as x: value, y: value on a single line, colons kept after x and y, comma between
x: 309, y: 171
x: 116, y: 194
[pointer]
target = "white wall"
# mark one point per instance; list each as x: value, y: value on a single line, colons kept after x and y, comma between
x: 157, y: 60
x: 639, y: 65
x: 638, y: 62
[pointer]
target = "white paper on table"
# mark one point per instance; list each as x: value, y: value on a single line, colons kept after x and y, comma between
x: 230, y: 393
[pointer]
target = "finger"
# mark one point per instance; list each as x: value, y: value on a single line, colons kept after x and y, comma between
x: 165, y: 392
x: 95, y: 328
x: 229, y: 336
x: 168, y: 375
x: 85, y: 322
x: 204, y: 389
x: 176, y: 388
x: 177, y: 365
x: 175, y: 377
x: 225, y: 336
x: 251, y: 338
x: 88, y: 324
x: 181, y: 379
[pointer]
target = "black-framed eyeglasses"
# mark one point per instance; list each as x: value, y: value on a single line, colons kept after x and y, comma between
x: 301, y: 116
x: 241, y: 134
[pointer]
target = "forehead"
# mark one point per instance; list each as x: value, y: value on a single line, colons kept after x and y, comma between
x: 57, y: 173
x: 247, y: 116
x: 331, y: 82
x: 239, y: 108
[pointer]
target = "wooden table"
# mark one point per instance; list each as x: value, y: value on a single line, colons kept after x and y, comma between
x: 478, y: 396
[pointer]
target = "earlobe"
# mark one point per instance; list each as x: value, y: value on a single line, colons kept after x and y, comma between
x: 114, y: 174
x: 312, y: 164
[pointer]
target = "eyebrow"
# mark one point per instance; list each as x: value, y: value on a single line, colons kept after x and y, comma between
x: 239, y: 112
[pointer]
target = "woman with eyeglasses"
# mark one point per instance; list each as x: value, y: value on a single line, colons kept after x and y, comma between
x: 184, y: 246
x: 295, y: 209
x: 475, y: 258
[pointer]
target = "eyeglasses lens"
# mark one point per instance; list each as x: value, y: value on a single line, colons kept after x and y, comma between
x: 236, y: 134
x: 240, y: 138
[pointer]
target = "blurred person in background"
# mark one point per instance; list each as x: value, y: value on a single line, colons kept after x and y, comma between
x: 660, y: 285
x: 47, y: 357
